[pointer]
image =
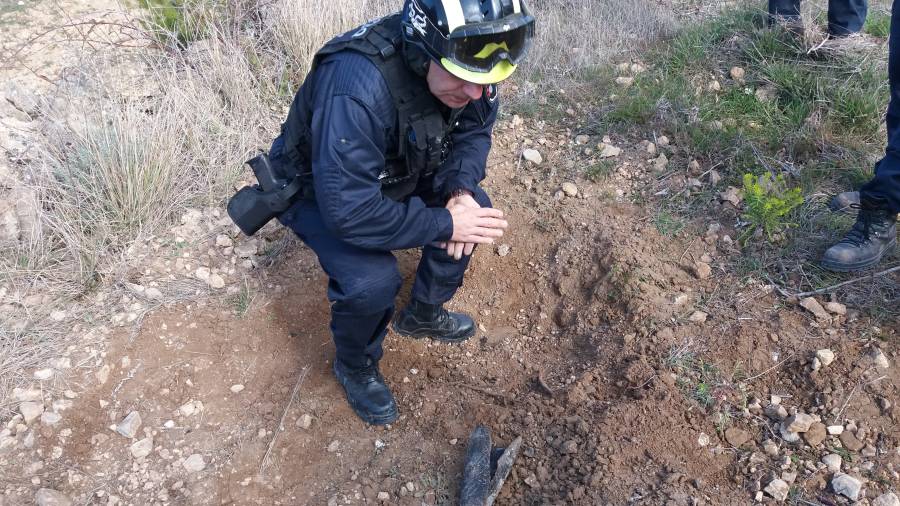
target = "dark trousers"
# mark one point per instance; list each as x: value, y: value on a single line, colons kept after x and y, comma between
x: 844, y: 16
x: 362, y: 284
x: 886, y: 183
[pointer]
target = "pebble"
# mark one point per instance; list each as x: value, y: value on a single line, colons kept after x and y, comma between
x: 835, y: 430
x: 788, y: 436
x: 703, y: 439
x: 58, y: 316
x: 836, y: 308
x: 702, y: 270
x: 50, y: 418
x: 624, y: 81
x: 662, y: 140
x: 503, y: 250
x: 737, y: 437
x: 778, y: 489
x: 43, y: 374
x: 142, y: 448
x: 570, y: 189
x: 771, y: 448
x: 851, y: 442
x: 333, y: 446
x: 833, y: 462
x: 846, y: 485
x: 813, y: 306
x: 223, y: 241
x: 153, y: 293
x: 194, y: 463
x: 305, y: 421
x: 888, y: 499
x: 799, y: 422
x: 569, y: 447
x: 582, y: 139
x: 815, y: 435
x: 660, y: 163
x: 610, y: 151
x: 50, y: 497
x: 384, y: 496
x: 776, y: 412
x: 129, y: 426
x: 202, y: 273
x: 737, y: 73
x: 880, y: 360
x: 825, y: 356
x: 236, y: 389
x: 698, y: 317
x: 31, y: 410
x: 732, y: 195
x: 216, y: 281
x: 651, y: 149
x: 532, y: 156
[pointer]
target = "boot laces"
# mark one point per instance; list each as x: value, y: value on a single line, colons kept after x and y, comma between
x: 861, y: 233
x: 367, y: 372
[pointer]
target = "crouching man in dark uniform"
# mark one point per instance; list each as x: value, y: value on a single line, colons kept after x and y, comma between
x: 390, y: 134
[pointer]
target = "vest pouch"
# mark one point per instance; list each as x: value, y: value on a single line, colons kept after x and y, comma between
x: 252, y: 207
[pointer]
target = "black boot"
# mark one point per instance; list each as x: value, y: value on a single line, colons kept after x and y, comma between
x: 367, y: 393
x: 872, y: 236
x: 846, y: 202
x: 432, y: 320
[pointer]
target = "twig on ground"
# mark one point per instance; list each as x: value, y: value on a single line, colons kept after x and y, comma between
x: 543, y: 384
x: 767, y: 371
x: 483, y: 390
x: 839, y: 285
x: 279, y: 428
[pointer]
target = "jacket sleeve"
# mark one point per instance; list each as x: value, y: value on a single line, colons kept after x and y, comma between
x: 348, y: 142
x: 465, y: 167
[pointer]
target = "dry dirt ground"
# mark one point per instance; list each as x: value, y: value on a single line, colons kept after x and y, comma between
x: 636, y: 366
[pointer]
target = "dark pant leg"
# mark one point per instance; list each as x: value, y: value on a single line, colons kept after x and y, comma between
x: 784, y: 9
x: 886, y: 183
x: 846, y: 16
x: 362, y: 286
x: 439, y: 275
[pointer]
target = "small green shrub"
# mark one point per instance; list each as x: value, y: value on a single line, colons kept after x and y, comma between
x: 878, y: 24
x: 767, y: 201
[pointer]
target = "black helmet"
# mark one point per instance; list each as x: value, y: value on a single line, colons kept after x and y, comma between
x: 480, y: 41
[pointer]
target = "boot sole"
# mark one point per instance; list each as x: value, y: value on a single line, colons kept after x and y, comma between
x: 859, y: 266
x: 367, y: 417
x: 421, y: 334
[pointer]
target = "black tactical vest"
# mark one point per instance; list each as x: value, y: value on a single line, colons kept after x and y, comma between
x: 423, y: 131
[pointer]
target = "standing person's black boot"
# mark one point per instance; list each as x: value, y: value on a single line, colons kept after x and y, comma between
x: 846, y: 202
x: 432, y: 320
x: 872, y: 236
x: 367, y: 393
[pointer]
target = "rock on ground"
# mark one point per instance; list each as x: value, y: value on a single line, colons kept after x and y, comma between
x: 737, y: 437
x: 833, y: 462
x: 825, y: 356
x: 142, y: 448
x: 815, y: 435
x: 778, y: 489
x: 800, y: 422
x: 846, y: 485
x: 194, y: 463
x: 888, y: 499
x: 31, y: 410
x: 813, y: 306
x: 130, y: 425
x: 50, y: 497
x: 532, y: 156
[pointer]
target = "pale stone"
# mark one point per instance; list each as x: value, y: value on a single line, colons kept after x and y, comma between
x: 624, y: 81
x: 846, y: 485
x: 153, y: 293
x: 799, y: 422
x: 702, y: 270
x: 825, y: 356
x: 737, y: 73
x: 533, y: 156
x: 43, y: 374
x: 698, y: 317
x: 610, y: 151
x: 570, y: 189
x: 142, y: 448
x: 31, y: 410
x: 660, y: 163
x: 305, y: 421
x: 216, y: 281
x: 778, y: 489
x: 888, y: 499
x: 223, y: 241
x: 582, y: 139
x: 129, y: 426
x: 835, y: 430
x: 813, y: 306
x: 832, y: 462
x: 103, y: 374
x: 333, y: 446
x: 238, y: 388
x: 194, y: 463
x: 202, y: 273
x: 881, y: 361
x: 50, y: 497
x: 836, y: 308
x: 50, y: 418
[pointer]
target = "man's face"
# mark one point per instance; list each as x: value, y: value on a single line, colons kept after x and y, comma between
x: 449, y: 89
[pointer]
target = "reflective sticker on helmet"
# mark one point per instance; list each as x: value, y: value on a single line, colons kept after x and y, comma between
x: 491, y: 92
x: 453, y: 10
x: 416, y: 17
x: 517, y: 7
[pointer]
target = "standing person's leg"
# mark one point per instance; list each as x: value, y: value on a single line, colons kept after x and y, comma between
x: 846, y: 17
x: 875, y: 231
x: 362, y: 287
x: 438, y: 277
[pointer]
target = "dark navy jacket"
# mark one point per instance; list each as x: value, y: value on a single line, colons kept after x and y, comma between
x: 353, y: 127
